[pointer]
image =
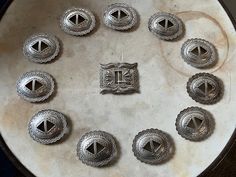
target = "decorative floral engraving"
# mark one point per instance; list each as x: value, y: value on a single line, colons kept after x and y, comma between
x: 119, y: 78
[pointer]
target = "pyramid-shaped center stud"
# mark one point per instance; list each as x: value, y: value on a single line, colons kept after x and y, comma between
x: 119, y: 14
x: 33, y: 85
x: 77, y: 19
x: 165, y: 23
x: 198, y: 51
x: 195, y: 123
x: 39, y: 46
x: 152, y: 146
x: 95, y: 148
x: 45, y: 126
x: 202, y: 50
x: 206, y: 88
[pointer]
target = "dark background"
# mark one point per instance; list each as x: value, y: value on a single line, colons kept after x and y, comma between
x: 231, y: 5
x: 7, y: 169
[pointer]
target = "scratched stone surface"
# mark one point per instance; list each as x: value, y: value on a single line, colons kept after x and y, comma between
x: 162, y: 77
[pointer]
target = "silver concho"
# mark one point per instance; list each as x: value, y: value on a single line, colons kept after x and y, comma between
x: 205, y: 88
x: 165, y: 26
x: 120, y: 16
x: 153, y: 146
x: 47, y: 126
x: 41, y: 48
x: 195, y: 124
x: 77, y: 21
x: 35, y: 86
x: 97, y: 148
x: 199, y: 53
x: 119, y: 78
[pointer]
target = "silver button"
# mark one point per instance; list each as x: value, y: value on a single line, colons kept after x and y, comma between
x: 165, y: 26
x: 153, y: 146
x: 199, y: 53
x: 120, y: 16
x: 35, y: 86
x: 47, y: 126
x: 97, y: 148
x: 119, y: 78
x: 195, y: 124
x: 78, y: 21
x: 41, y: 48
x: 205, y: 88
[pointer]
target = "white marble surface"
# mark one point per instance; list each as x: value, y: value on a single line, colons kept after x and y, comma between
x: 163, y: 77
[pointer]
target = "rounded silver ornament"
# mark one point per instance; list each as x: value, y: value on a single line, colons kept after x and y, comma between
x: 35, y: 86
x: 120, y: 16
x: 77, y: 21
x: 199, y: 53
x: 195, y: 124
x: 97, y: 148
x: 41, y: 48
x: 166, y: 26
x: 47, y: 126
x: 153, y: 146
x: 205, y: 88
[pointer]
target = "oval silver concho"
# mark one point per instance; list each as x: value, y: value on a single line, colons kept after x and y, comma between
x: 166, y: 26
x: 153, y: 146
x: 199, y: 53
x: 205, y: 88
x: 41, y: 48
x: 97, y: 148
x: 195, y: 124
x: 120, y: 16
x: 47, y: 126
x: 77, y: 21
x: 35, y: 86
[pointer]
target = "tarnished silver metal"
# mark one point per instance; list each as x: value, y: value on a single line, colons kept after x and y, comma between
x: 120, y: 16
x: 97, y: 148
x: 199, y: 53
x: 47, y: 126
x: 205, y: 88
x: 41, y: 48
x: 78, y: 21
x: 119, y: 78
x: 35, y: 86
x: 166, y: 26
x: 153, y: 146
x: 195, y: 124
